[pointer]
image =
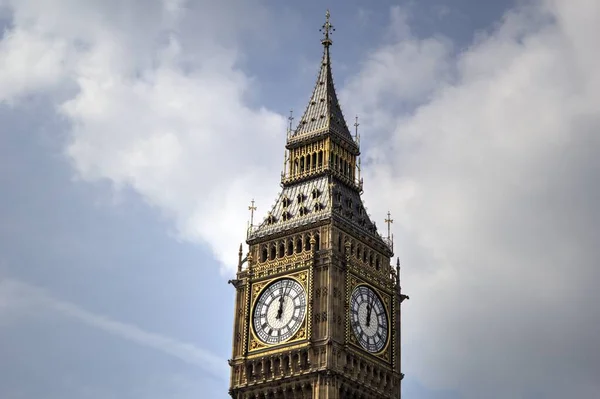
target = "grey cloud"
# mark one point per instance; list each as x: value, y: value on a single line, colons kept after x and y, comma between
x: 493, y: 181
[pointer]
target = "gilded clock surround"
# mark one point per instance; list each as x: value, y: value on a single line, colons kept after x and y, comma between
x: 318, y: 233
x: 385, y: 352
x: 255, y: 344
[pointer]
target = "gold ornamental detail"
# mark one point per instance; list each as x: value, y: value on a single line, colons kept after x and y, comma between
x: 303, y: 333
x: 378, y: 279
x: 277, y: 350
x: 351, y: 284
x: 288, y: 260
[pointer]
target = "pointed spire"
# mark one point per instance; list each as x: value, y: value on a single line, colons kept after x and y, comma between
x: 323, y: 113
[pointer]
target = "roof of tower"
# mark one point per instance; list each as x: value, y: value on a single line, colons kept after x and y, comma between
x: 314, y: 201
x: 320, y: 198
x: 323, y: 113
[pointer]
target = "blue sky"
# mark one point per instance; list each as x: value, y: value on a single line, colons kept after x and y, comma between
x: 133, y: 135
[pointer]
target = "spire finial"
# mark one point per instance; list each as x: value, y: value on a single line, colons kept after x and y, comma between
x: 290, y: 119
x: 240, y: 254
x: 389, y: 221
x: 327, y: 29
x: 356, y: 125
x: 252, y: 208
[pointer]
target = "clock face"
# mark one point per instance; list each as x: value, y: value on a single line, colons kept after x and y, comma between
x: 368, y: 319
x: 279, y: 311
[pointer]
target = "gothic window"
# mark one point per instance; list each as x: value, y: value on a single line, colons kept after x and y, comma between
x: 277, y: 364
x: 273, y: 252
x: 377, y: 263
x: 317, y: 242
x: 270, y: 219
x: 303, y: 211
x: 314, y: 161
x: 268, y: 368
x: 320, y: 159
x: 286, y: 364
x: 304, y: 362
x: 286, y: 202
x: 300, y: 198
x: 290, y: 247
x: 281, y: 249
x: 286, y: 216
x: 301, y: 164
x: 307, y: 242
x: 319, y: 207
x: 264, y: 253
x: 315, y: 193
x: 298, y: 245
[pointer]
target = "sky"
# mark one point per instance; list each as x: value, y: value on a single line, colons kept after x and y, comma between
x: 133, y: 135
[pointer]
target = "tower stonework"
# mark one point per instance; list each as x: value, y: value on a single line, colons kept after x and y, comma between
x: 317, y: 308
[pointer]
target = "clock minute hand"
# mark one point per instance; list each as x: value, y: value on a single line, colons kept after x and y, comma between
x: 285, y: 292
x: 288, y: 288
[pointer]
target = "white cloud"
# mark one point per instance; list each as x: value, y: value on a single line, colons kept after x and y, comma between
x: 29, y: 62
x: 161, y: 105
x: 397, y: 75
x: 493, y: 177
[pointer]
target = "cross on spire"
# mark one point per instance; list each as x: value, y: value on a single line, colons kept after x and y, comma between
x: 252, y: 208
x: 389, y: 221
x: 290, y: 119
x: 327, y: 29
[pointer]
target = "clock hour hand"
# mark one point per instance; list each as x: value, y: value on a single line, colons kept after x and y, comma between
x: 281, y: 299
x: 280, y: 309
x: 370, y: 310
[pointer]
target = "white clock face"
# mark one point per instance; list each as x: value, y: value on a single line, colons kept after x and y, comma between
x: 279, y: 311
x: 368, y: 319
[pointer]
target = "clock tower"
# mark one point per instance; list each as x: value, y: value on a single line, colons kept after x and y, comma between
x: 317, y: 308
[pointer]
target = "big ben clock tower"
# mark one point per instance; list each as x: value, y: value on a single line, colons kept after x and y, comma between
x: 317, y: 309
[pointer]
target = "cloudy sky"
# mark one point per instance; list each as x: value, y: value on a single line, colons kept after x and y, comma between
x: 133, y: 135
